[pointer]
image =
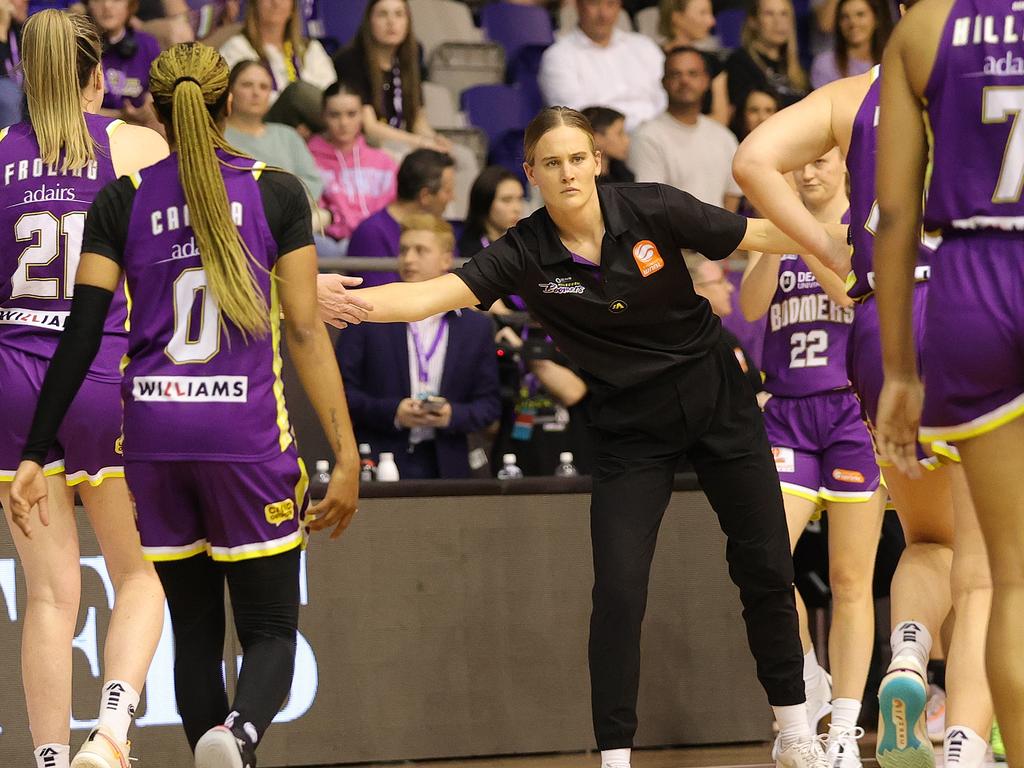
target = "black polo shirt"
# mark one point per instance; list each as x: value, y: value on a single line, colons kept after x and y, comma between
x: 636, y: 316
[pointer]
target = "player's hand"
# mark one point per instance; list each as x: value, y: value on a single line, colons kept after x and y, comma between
x: 899, y: 416
x: 837, y: 257
x: 28, y: 492
x: 338, y: 307
x: 339, y: 503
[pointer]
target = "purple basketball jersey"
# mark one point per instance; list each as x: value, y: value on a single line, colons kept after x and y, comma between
x: 194, y: 387
x: 805, y: 339
x: 860, y: 162
x: 42, y: 216
x: 975, y: 100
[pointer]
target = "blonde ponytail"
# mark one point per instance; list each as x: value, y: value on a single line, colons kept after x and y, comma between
x: 189, y: 83
x: 60, y: 54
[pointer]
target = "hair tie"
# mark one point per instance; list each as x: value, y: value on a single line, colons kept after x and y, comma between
x: 183, y: 79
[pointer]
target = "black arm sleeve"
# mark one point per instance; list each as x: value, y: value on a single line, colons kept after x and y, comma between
x: 78, y: 345
x: 286, y: 207
x: 106, y: 226
x: 496, y: 271
x: 711, y: 231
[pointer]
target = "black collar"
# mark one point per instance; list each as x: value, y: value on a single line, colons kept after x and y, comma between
x: 617, y: 215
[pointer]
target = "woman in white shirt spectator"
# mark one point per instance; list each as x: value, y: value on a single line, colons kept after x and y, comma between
x: 272, y: 33
x: 863, y: 30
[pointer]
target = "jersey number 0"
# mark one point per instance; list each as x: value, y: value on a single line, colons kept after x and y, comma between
x: 196, y: 336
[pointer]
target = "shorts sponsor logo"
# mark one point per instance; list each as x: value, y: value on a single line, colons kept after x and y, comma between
x: 618, y: 306
x: 52, y: 320
x: 192, y: 389
x: 647, y: 258
x: 279, y: 512
x: 119, y: 446
x: 785, y: 459
x: 847, y: 476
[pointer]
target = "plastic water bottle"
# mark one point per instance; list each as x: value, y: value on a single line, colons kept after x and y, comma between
x: 367, y: 466
x: 565, y: 466
x: 387, y: 470
x: 510, y: 470
x: 323, y: 471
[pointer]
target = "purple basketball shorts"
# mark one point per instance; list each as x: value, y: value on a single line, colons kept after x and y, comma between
x: 974, y: 348
x: 822, y: 448
x: 88, y: 447
x: 864, y: 364
x: 228, y: 510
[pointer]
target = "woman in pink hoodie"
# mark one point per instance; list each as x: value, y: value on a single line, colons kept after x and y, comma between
x: 358, y: 180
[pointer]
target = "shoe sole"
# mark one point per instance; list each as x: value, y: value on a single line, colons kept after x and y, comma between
x: 902, y: 736
x: 217, y: 749
x: 92, y: 761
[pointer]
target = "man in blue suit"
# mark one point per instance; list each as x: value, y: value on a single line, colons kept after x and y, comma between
x: 418, y: 389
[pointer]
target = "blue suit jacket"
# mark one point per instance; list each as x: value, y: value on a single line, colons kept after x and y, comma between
x: 374, y: 361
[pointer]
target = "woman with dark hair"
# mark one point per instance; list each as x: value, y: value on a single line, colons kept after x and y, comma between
x: 601, y: 268
x: 863, y: 28
x: 769, y: 58
x: 756, y: 107
x: 495, y: 204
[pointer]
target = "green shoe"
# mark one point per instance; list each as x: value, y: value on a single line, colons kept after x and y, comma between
x: 996, y: 740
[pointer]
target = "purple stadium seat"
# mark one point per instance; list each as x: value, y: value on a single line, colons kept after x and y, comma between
x: 516, y: 26
x: 339, y: 19
x: 729, y: 26
x: 501, y: 113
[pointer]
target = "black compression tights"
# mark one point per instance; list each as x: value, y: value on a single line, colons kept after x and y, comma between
x: 265, y: 604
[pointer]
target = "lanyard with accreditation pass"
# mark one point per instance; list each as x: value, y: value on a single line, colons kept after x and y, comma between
x: 423, y: 359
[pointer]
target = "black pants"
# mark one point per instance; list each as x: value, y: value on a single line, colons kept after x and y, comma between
x: 707, y: 412
x: 265, y: 605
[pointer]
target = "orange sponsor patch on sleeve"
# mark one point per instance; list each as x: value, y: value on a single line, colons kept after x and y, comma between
x: 647, y: 258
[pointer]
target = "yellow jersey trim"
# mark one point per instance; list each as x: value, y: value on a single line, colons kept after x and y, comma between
x: 113, y: 126
x: 4, y: 132
x: 136, y: 179
x: 96, y: 479
x: 283, y: 424
x: 984, y: 424
x: 257, y: 169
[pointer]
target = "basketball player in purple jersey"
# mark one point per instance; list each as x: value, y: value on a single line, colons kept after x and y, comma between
x: 213, y: 247
x: 822, y: 449
x: 934, y: 569
x: 52, y: 166
x: 961, y: 64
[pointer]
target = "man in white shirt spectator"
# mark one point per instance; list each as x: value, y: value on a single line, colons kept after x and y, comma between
x: 681, y: 146
x: 596, y: 63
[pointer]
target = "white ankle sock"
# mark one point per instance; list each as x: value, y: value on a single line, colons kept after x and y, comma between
x: 812, y: 670
x: 52, y: 756
x: 911, y: 638
x: 845, y: 713
x: 793, y: 727
x: 964, y: 748
x: 117, y: 708
x: 615, y: 758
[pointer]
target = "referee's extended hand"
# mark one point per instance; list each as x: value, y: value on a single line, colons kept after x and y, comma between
x: 899, y: 416
x: 28, y: 491
x: 339, y: 502
x: 337, y: 306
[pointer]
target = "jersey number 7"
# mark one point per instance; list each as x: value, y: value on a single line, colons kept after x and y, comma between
x: 998, y: 103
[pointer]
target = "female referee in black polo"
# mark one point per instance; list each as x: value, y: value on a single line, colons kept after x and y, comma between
x: 601, y: 268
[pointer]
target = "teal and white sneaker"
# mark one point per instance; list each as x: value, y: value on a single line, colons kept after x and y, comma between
x: 902, y: 728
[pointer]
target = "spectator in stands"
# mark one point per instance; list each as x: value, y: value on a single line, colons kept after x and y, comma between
x: 127, y: 56
x: 757, y: 107
x: 612, y: 141
x: 597, y: 63
x: 426, y: 184
x: 250, y: 84
x: 299, y: 67
x: 710, y: 281
x: 383, y: 61
x: 495, y: 204
x: 681, y: 146
x: 769, y: 59
x: 358, y: 180
x: 169, y: 21
x: 12, y: 15
x: 863, y: 30
x: 689, y: 23
x: 391, y: 369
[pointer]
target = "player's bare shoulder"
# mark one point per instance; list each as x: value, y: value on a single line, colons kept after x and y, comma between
x: 134, y: 147
x: 845, y: 96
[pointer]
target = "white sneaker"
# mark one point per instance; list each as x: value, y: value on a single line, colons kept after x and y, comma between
x: 819, y: 701
x: 219, y: 748
x: 963, y: 748
x: 101, y: 750
x: 804, y: 754
x: 936, y: 713
x: 842, y: 750
x: 902, y: 729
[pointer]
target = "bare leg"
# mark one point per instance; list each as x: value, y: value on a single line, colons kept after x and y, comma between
x: 138, y: 615
x: 852, y: 544
x: 53, y: 581
x: 995, y: 472
x: 798, y: 514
